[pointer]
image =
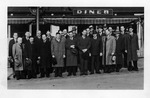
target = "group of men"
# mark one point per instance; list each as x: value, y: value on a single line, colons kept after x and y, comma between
x: 93, y: 51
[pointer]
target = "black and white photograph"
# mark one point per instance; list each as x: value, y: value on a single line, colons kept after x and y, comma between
x: 74, y: 48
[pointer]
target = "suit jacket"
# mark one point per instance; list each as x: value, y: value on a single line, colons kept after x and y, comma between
x: 38, y: 43
x: 83, y: 43
x: 96, y: 46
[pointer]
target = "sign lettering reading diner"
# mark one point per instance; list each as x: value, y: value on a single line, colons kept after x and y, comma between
x: 93, y: 12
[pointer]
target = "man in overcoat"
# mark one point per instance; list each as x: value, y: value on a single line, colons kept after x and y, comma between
x: 38, y: 43
x: 71, y: 54
x: 29, y: 52
x: 44, y: 57
x: 17, y: 52
x: 58, y: 52
x: 132, y: 48
x: 109, y: 47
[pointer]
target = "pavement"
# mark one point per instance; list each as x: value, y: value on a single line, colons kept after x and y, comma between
x: 106, y: 81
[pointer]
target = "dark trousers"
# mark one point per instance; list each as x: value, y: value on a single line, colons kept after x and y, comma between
x: 109, y: 68
x: 100, y: 63
x: 118, y: 67
x: 89, y: 64
x: 29, y: 74
x: 58, y: 71
x: 125, y: 60
x: 134, y: 67
x: 83, y: 65
x: 18, y: 75
x: 45, y: 71
x: 95, y: 64
x: 72, y: 70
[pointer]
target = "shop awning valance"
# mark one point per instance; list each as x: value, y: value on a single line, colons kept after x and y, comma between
x: 72, y: 20
x: 20, y: 20
x: 88, y: 20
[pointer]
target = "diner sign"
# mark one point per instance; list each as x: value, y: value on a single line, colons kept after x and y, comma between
x: 93, y: 12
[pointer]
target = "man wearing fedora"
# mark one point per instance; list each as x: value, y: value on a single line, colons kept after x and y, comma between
x: 100, y: 35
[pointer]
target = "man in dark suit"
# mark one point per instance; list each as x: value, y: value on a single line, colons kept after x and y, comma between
x: 125, y: 38
x: 30, y: 56
x: 38, y: 44
x: 132, y: 49
x: 96, y: 52
x: 26, y: 42
x: 119, y: 51
x: 84, y: 44
x: 49, y: 40
x: 100, y: 35
x: 44, y: 56
x: 11, y: 43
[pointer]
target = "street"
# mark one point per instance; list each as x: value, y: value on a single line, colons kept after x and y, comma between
x: 122, y: 80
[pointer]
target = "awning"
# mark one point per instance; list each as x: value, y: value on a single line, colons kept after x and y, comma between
x: 88, y: 20
x: 20, y: 20
x: 72, y: 21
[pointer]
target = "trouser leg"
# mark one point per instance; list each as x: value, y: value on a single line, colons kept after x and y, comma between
x: 18, y: 75
x: 81, y: 65
x: 130, y: 67
x: 42, y: 72
x: 85, y: 67
x: 125, y: 59
x: 69, y: 70
x: 56, y: 71
x: 47, y: 72
x: 92, y: 65
x: 97, y: 64
x: 135, y: 65
x: 74, y: 70
x: 60, y: 70
x: 29, y: 72
x: 100, y: 63
x: 89, y: 64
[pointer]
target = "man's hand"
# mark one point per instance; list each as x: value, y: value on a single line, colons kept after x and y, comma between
x: 101, y: 54
x: 39, y: 57
x: 72, y: 46
x: 84, y: 50
x: 89, y: 54
x: 53, y: 56
x: 112, y: 53
x: 125, y: 51
x: 64, y: 56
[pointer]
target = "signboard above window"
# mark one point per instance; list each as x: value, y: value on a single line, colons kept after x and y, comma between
x: 91, y: 12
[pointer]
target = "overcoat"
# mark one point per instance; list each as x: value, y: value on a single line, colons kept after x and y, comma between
x: 71, y: 57
x: 18, y: 57
x: 108, y: 50
x: 132, y: 47
x: 37, y: 42
x: 29, y: 52
x: 45, y: 53
x: 119, y: 50
x: 58, y: 50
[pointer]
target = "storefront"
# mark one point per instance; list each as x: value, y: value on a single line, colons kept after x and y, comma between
x: 22, y: 19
